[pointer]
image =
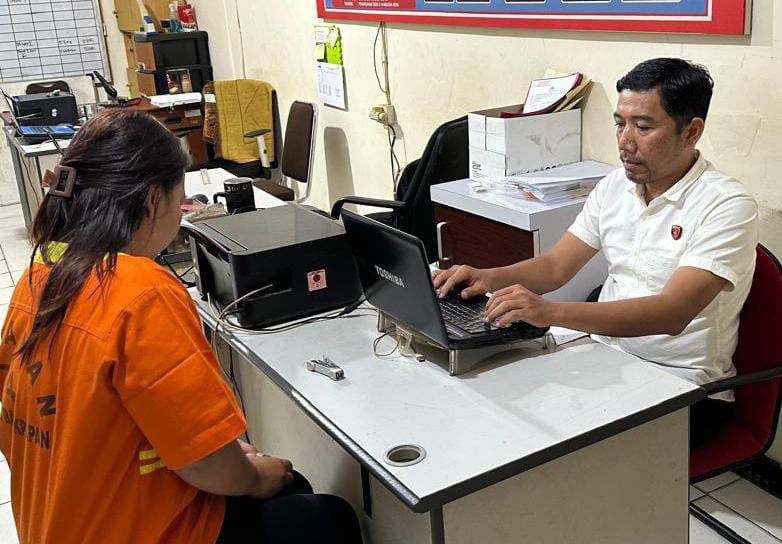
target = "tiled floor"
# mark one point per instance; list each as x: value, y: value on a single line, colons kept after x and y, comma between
x: 754, y: 514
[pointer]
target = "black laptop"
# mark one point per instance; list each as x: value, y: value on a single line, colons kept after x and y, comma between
x: 396, y: 279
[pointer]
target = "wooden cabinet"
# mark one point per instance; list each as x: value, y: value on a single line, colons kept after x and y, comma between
x: 466, y: 238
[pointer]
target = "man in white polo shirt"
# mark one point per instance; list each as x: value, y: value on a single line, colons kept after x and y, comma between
x: 678, y: 235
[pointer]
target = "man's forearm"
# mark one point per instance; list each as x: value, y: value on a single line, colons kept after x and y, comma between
x: 625, y: 318
x: 540, y: 275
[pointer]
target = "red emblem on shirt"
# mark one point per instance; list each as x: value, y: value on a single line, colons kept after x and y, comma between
x: 676, y: 232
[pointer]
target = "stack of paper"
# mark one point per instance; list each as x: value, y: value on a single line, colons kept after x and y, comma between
x: 556, y: 91
x: 556, y: 184
x: 170, y: 100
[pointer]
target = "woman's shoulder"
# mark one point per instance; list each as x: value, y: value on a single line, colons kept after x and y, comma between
x: 132, y: 279
x: 139, y: 274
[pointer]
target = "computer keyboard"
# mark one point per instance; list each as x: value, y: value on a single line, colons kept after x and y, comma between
x: 465, y: 314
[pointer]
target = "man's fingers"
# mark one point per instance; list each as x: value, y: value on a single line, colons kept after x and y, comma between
x: 473, y: 291
x: 501, y: 308
x: 452, y: 281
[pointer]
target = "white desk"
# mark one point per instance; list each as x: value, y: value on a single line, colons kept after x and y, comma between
x: 547, y: 222
x: 576, y: 444
x: 194, y: 184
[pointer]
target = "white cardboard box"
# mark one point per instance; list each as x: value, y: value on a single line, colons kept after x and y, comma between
x: 509, y: 146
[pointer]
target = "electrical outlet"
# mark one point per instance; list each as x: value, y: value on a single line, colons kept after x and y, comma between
x: 385, y: 114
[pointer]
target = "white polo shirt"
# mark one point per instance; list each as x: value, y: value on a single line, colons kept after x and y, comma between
x: 706, y: 220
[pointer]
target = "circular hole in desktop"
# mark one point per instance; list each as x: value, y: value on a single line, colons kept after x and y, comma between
x: 405, y: 455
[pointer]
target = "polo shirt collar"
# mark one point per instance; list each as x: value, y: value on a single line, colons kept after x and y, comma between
x: 676, y: 191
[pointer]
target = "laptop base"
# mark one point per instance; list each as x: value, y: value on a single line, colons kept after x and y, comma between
x: 459, y: 360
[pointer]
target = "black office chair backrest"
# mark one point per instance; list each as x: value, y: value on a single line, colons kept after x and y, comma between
x: 297, y: 146
x: 47, y: 87
x: 444, y: 159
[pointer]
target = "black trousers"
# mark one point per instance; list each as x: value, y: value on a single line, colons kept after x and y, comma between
x: 707, y: 418
x: 295, y: 516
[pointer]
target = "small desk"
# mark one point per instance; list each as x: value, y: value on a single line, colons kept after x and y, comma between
x: 491, y: 229
x: 30, y: 161
x: 580, y: 443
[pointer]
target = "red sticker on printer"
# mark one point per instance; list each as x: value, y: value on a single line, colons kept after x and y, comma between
x: 316, y: 280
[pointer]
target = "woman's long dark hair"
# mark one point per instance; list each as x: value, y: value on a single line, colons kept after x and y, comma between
x: 119, y: 156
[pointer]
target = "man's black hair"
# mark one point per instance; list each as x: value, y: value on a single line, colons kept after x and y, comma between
x: 685, y: 88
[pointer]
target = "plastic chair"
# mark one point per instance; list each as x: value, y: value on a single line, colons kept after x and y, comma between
x: 298, y: 151
x: 758, y: 360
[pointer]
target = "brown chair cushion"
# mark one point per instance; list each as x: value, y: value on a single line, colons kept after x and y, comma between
x: 275, y: 189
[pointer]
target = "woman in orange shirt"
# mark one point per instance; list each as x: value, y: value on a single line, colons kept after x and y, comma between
x: 115, y: 422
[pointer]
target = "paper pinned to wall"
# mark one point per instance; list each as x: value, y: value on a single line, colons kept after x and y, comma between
x: 331, y: 84
x: 328, y: 44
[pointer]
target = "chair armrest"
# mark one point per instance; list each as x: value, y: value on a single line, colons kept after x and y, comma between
x: 257, y: 132
x: 336, y: 209
x: 745, y: 379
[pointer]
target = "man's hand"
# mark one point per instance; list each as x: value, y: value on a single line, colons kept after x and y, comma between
x: 516, y: 303
x: 273, y: 474
x: 477, y: 281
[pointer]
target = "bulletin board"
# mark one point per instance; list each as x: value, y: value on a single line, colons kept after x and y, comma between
x: 673, y: 16
x: 45, y: 39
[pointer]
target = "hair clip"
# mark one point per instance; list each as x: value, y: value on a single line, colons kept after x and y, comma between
x: 61, y: 181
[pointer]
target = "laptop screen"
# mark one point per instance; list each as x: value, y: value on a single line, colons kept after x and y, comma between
x: 394, y: 274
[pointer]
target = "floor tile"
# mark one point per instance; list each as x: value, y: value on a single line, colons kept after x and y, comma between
x: 3, y: 311
x: 5, y: 483
x: 5, y: 277
x: 695, y: 493
x: 17, y: 275
x: 702, y: 534
x: 753, y: 503
x: 13, y: 233
x: 16, y: 247
x: 711, y: 484
x: 11, y: 211
x: 10, y: 223
x: 744, y: 527
x: 17, y: 261
x: 5, y: 295
x: 7, y: 527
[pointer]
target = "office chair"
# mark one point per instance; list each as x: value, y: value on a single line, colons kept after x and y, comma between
x: 47, y: 87
x: 758, y: 361
x: 445, y: 158
x: 298, y: 152
x: 252, y: 168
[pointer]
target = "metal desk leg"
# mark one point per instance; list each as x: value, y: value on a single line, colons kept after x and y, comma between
x: 21, y: 186
x: 437, y: 525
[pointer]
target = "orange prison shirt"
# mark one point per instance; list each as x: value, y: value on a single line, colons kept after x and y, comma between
x: 94, y: 429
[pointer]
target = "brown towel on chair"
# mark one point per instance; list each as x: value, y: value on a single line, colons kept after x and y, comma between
x: 243, y: 105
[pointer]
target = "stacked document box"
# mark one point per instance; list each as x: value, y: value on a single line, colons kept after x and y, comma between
x: 517, y: 145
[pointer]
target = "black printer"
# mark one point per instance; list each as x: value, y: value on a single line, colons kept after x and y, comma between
x: 300, y: 258
x: 42, y: 109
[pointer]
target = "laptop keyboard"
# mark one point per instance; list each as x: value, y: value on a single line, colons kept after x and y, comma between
x: 467, y: 315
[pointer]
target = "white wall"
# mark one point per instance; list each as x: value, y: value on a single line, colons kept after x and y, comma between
x: 438, y: 73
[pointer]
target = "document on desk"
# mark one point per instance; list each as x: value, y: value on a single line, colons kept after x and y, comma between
x: 44, y: 146
x: 331, y: 84
x: 171, y: 100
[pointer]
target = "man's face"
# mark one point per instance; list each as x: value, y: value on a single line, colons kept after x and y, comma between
x: 650, y: 147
